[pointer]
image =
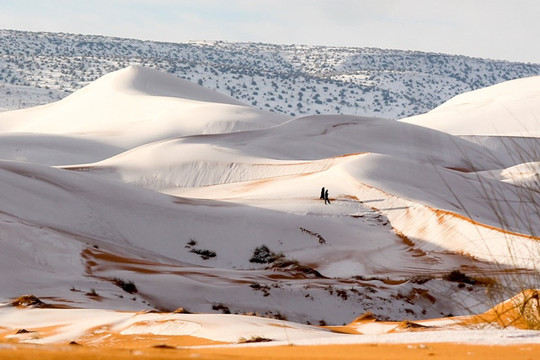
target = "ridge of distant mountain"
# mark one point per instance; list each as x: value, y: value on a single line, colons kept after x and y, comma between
x: 39, y: 67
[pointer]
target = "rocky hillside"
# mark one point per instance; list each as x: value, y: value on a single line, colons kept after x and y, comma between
x: 37, y: 68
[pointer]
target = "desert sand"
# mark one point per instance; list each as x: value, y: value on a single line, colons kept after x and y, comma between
x: 369, y: 351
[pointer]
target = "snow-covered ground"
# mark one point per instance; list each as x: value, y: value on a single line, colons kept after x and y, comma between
x: 201, y: 202
x: 102, y: 327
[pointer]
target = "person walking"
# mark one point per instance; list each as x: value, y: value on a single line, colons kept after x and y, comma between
x: 326, y: 200
x: 322, y: 193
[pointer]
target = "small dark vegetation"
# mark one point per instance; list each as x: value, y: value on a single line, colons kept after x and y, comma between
x: 204, y: 254
x: 458, y: 276
x: 127, y: 286
x: 92, y: 293
x: 421, y: 279
x: 317, y: 235
x: 253, y: 339
x: 407, y: 324
x: 294, y: 267
x: 220, y: 307
x: 342, y: 294
x: 263, y: 255
x: 258, y: 287
x: 28, y: 301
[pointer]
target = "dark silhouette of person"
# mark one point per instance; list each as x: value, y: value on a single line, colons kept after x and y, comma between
x: 326, y: 200
x: 322, y: 193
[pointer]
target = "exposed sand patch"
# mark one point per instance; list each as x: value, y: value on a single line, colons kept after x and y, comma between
x: 111, y: 340
x: 522, y: 312
x: 368, y: 352
x: 442, y: 214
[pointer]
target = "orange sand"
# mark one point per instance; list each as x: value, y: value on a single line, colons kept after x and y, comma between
x: 343, y: 352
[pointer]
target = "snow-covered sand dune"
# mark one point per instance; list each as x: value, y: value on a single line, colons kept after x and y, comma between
x: 135, y: 106
x: 507, y: 109
x: 204, y: 203
x: 95, y: 328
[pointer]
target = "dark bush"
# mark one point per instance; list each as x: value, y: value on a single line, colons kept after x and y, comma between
x: 127, y: 286
x: 205, y: 254
x: 253, y: 339
x: 458, y: 276
x: 27, y: 301
x: 263, y: 255
x: 220, y: 307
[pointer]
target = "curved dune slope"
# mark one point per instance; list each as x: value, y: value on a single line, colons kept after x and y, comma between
x: 137, y: 105
x: 506, y: 109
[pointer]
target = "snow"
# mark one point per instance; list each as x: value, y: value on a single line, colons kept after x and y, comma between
x: 232, y: 329
x: 139, y: 175
x: 297, y: 80
x: 116, y: 109
x: 506, y: 109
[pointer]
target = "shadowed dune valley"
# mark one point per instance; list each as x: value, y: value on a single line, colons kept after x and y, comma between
x: 145, y: 215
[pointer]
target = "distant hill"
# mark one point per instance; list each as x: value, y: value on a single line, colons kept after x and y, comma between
x: 38, y: 67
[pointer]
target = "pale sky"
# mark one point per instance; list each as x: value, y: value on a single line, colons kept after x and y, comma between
x: 495, y: 29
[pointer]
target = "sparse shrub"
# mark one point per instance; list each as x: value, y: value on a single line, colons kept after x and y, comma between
x: 220, y: 307
x: 421, y: 279
x: 279, y: 316
x: 92, y: 293
x: 529, y: 309
x: 515, y: 211
x: 255, y: 286
x: 342, y: 294
x: 258, y: 287
x: 253, y: 339
x: 458, y: 276
x: 293, y: 266
x: 28, y: 301
x: 204, y: 254
x: 127, y: 286
x: 317, y: 235
x: 263, y: 255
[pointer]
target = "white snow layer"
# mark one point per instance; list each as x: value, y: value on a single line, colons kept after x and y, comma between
x: 138, y: 174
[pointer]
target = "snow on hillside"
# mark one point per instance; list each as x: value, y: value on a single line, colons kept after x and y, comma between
x: 203, y: 203
x: 296, y: 80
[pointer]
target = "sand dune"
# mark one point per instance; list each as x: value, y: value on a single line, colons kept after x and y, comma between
x: 118, y: 108
x: 506, y: 109
x: 146, y: 192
